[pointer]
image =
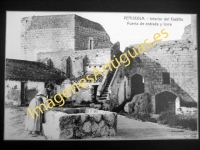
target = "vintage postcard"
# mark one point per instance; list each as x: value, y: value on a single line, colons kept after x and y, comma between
x: 100, y: 76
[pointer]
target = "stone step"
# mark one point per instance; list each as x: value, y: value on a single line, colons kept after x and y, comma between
x: 103, y: 95
x: 103, y: 98
x: 105, y: 92
x: 103, y: 101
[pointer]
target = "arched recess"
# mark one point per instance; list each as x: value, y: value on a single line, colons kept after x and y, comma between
x: 137, y: 85
x: 165, y: 101
x: 85, y: 62
x: 90, y: 43
x: 50, y: 63
x: 68, y: 68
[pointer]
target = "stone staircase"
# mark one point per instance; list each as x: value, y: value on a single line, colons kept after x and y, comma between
x: 102, y: 100
x: 104, y: 95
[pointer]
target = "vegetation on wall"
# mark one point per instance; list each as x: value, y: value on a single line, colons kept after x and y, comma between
x: 13, y: 94
x: 182, y: 121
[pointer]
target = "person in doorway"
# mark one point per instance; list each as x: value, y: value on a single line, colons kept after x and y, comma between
x: 34, y: 126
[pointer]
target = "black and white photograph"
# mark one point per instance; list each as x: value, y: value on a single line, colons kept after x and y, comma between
x: 100, y: 76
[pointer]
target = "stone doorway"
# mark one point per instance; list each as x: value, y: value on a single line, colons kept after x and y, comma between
x: 165, y: 101
x: 23, y: 92
x: 94, y: 92
x: 137, y: 85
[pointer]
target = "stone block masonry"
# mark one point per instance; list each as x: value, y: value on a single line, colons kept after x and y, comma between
x: 60, y: 33
x: 86, y: 30
x: 178, y: 58
x: 46, y: 33
x: 77, y: 123
x: 95, y: 57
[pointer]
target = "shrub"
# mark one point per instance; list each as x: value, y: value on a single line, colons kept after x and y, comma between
x: 166, y: 116
x: 187, y: 121
x: 153, y: 120
x: 183, y: 121
x: 142, y: 116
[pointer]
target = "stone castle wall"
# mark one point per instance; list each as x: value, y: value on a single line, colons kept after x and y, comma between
x: 47, y: 33
x: 178, y: 58
x: 187, y: 33
x: 60, y: 33
x: 86, y: 30
x: 194, y: 29
x: 183, y: 82
x: 95, y: 57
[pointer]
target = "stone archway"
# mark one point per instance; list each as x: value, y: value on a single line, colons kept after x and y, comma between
x: 137, y: 85
x: 68, y: 67
x: 165, y: 101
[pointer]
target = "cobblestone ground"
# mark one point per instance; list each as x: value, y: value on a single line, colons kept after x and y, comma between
x: 128, y: 129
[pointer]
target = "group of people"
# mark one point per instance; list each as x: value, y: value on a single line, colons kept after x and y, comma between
x: 34, y: 126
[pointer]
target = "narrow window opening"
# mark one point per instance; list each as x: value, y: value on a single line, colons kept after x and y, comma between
x: 166, y: 78
x: 68, y: 68
x: 90, y: 44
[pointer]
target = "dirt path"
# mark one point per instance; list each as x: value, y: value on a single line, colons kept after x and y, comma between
x: 134, y: 129
x: 128, y: 129
x: 15, y: 123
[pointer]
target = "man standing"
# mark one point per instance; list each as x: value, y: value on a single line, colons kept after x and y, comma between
x: 34, y: 125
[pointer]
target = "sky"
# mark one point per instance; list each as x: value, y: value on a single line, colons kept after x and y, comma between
x: 121, y: 27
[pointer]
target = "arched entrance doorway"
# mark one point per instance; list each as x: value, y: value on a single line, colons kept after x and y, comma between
x: 137, y: 85
x: 165, y: 101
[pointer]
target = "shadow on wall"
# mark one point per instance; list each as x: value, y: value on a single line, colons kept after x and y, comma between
x: 154, y: 80
x: 186, y: 99
x: 30, y: 94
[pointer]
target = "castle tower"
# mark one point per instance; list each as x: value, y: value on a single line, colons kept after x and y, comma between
x: 60, y: 33
x: 194, y: 29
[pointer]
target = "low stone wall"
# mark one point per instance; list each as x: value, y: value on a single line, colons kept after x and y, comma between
x: 187, y: 111
x: 77, y: 123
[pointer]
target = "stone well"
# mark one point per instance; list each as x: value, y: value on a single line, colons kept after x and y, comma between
x: 77, y: 123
